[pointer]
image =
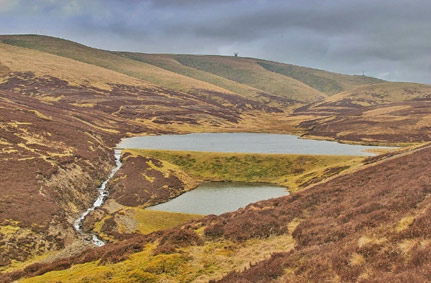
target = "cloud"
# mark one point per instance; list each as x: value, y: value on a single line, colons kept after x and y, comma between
x: 385, y: 38
x: 6, y: 5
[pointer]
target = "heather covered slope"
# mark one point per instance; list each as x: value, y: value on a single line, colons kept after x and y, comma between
x: 60, y: 119
x: 368, y: 226
x: 64, y: 106
x: 387, y: 113
x: 150, y: 177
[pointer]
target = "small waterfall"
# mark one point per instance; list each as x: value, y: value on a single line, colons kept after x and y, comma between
x: 103, y: 193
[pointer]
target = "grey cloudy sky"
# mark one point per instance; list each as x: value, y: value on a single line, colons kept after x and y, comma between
x: 389, y: 39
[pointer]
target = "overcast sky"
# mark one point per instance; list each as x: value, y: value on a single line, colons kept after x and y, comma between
x: 389, y: 39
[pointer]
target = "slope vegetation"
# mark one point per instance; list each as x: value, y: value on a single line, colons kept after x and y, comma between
x: 370, y: 225
x: 59, y: 120
x: 61, y: 115
x: 246, y: 72
x: 385, y: 113
x: 108, y: 60
x: 267, y: 81
x: 149, y: 177
x: 326, y: 82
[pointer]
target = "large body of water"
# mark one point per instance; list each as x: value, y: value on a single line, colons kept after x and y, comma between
x: 245, y: 143
x: 220, y: 197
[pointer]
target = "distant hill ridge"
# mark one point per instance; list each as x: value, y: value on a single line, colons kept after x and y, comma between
x: 247, y: 77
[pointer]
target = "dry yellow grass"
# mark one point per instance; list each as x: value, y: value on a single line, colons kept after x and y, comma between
x: 247, y: 71
x: 384, y: 110
x: 210, y: 261
x: 383, y: 93
x: 404, y: 223
x: 74, y: 72
x: 94, y: 67
x: 151, y: 220
x: 169, y: 62
x: 357, y: 259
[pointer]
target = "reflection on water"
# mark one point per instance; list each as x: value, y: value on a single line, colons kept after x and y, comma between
x: 246, y: 143
x: 220, y: 197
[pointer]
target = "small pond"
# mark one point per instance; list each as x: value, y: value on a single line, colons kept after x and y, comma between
x: 220, y: 197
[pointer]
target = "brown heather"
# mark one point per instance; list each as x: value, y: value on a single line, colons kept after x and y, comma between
x: 61, y: 116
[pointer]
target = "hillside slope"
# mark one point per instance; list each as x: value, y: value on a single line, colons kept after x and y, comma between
x: 109, y: 61
x: 324, y: 81
x: 370, y: 225
x: 245, y: 72
x: 64, y: 106
x: 59, y: 120
x: 259, y: 79
x: 387, y: 113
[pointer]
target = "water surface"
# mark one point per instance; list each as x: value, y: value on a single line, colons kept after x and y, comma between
x: 220, y: 197
x: 245, y: 143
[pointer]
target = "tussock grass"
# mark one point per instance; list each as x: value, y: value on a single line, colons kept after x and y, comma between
x: 291, y: 170
x: 151, y: 220
x: 201, y: 263
x: 138, y: 219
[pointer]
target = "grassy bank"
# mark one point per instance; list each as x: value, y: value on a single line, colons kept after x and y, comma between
x: 293, y: 171
x: 138, y: 219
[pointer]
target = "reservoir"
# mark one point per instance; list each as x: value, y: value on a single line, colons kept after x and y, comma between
x: 246, y: 143
x: 220, y: 197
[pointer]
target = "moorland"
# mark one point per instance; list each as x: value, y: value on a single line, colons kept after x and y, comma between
x: 64, y: 107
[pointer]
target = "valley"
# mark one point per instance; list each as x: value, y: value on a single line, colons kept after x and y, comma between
x: 64, y: 107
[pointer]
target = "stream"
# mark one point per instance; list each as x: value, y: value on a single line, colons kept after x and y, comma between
x: 103, y: 193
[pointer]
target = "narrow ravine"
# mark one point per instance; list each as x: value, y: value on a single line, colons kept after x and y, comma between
x: 103, y: 193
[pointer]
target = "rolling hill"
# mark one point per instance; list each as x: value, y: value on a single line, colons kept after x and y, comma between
x: 249, y: 77
x: 385, y: 113
x: 64, y: 106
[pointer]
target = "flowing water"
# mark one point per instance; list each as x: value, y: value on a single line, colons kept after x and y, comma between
x: 103, y: 194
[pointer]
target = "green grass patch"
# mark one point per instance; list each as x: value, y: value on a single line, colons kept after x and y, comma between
x: 152, y: 220
x: 138, y: 219
x: 291, y: 170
